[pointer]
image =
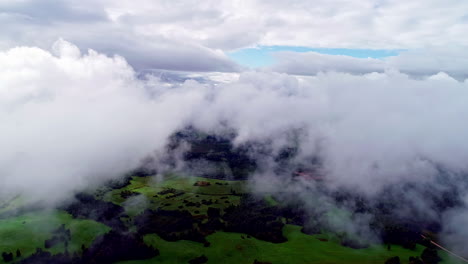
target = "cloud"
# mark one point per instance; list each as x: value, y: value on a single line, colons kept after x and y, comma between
x: 89, y: 25
x: 377, y: 126
x: 176, y: 34
x: 453, y: 234
x: 70, y: 120
x: 160, y: 53
x: 311, y: 63
x: 430, y: 61
x: 363, y: 24
x: 52, y: 11
x: 417, y: 63
x: 88, y: 112
x: 350, y: 24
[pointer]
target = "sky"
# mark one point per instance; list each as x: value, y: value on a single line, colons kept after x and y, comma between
x: 376, y: 88
x: 263, y: 56
x: 234, y: 35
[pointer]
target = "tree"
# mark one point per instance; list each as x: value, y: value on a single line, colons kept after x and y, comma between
x: 393, y: 260
x: 7, y: 257
x: 429, y: 256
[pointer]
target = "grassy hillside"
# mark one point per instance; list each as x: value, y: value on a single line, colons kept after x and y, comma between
x: 299, y: 249
x: 29, y: 231
x: 170, y: 192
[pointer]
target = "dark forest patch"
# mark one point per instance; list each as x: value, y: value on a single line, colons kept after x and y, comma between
x: 169, y: 225
x: 86, y: 207
x: 254, y: 218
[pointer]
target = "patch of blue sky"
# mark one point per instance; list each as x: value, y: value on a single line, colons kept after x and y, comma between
x: 262, y: 56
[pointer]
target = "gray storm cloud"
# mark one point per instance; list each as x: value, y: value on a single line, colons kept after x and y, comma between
x: 70, y: 120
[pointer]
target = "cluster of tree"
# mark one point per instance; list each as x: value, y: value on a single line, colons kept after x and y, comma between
x: 60, y: 235
x: 215, y: 149
x: 169, y: 225
x: 386, y: 207
x: 191, y: 204
x: 8, y: 256
x: 252, y: 217
x: 176, y: 194
x: 109, y: 248
x: 44, y: 257
x: 213, y: 223
x: 403, y: 234
x: 119, y: 183
x: 261, y: 262
x: 428, y: 256
x: 127, y: 194
x: 255, y: 218
x: 314, y: 222
x: 393, y: 260
x: 86, y: 206
x: 295, y: 215
x: 167, y: 191
x: 207, y: 202
x: 199, y: 260
x: 145, y: 170
x: 118, y: 246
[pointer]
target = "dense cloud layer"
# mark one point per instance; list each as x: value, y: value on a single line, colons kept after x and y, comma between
x: 70, y: 120
x: 383, y: 125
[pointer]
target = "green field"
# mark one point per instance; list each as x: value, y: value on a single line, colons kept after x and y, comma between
x: 299, y: 249
x: 26, y: 232
x: 29, y: 231
x: 237, y: 248
x: 221, y: 193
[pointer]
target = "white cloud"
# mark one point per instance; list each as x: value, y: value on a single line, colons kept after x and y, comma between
x: 71, y: 120
x: 175, y: 34
x: 74, y: 115
x: 89, y: 25
x: 311, y: 63
x: 372, y: 130
x: 417, y: 63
